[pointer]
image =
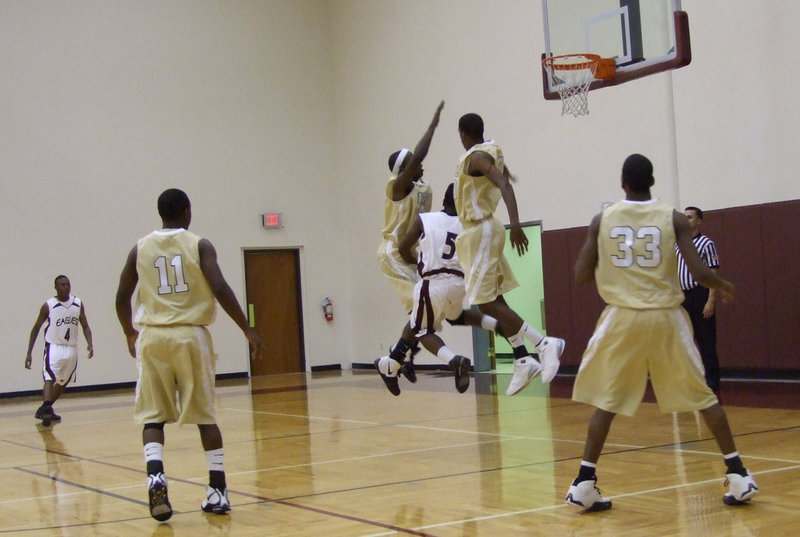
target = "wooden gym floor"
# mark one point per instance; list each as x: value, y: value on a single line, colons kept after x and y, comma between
x: 335, y: 455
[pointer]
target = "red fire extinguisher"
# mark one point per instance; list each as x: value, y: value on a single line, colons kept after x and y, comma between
x: 327, y: 307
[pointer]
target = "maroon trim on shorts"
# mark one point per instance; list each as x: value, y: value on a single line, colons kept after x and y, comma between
x: 424, y: 308
x: 46, y: 367
x: 72, y: 376
x: 454, y: 272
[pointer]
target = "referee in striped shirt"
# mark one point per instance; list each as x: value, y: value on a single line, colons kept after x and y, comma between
x: 699, y: 300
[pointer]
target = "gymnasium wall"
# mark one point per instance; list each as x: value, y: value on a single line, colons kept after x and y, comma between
x: 106, y: 104
x: 294, y: 106
x: 756, y: 332
x: 721, y: 132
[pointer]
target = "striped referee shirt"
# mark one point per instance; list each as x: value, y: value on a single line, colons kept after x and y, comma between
x: 708, y: 253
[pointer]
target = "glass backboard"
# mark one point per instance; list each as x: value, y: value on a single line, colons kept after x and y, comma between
x: 642, y: 36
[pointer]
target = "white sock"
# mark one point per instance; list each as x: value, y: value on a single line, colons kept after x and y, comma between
x: 589, y: 464
x: 489, y: 323
x: 153, y: 451
x: 445, y: 354
x: 215, y: 459
x: 531, y: 333
x: 516, y: 340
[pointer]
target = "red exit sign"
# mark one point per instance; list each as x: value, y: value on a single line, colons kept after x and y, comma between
x: 271, y: 220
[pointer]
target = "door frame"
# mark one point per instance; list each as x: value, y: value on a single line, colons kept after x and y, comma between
x: 483, y: 342
x: 296, y: 251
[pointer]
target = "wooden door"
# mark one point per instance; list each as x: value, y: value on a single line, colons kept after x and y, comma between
x: 272, y: 280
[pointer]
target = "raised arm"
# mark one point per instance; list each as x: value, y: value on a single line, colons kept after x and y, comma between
x: 587, y: 258
x: 701, y: 273
x: 43, y: 311
x: 128, y: 279
x: 409, y: 240
x: 403, y: 184
x: 225, y: 296
x: 482, y: 163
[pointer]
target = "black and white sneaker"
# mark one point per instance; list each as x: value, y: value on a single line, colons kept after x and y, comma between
x: 216, y: 501
x: 460, y: 366
x: 741, y: 489
x: 160, y: 508
x: 388, y: 369
x: 587, y: 496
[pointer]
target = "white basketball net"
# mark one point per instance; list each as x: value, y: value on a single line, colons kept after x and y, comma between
x: 571, y: 76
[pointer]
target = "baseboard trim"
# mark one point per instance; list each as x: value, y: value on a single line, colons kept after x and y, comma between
x: 111, y: 386
x: 329, y: 367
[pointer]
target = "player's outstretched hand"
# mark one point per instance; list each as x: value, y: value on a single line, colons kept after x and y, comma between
x: 28, y: 362
x: 518, y: 240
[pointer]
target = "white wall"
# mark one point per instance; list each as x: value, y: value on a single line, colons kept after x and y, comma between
x: 295, y: 105
x: 105, y: 104
x: 736, y: 106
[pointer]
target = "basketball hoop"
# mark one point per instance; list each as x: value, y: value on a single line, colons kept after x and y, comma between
x: 571, y: 75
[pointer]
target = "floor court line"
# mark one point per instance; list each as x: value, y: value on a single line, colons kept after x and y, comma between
x: 61, y: 527
x: 44, y: 497
x: 359, y: 458
x: 441, y: 429
x: 515, y: 437
x: 428, y: 427
x: 82, y: 486
x: 421, y: 529
x: 422, y: 450
x: 746, y: 456
x: 563, y: 505
x: 261, y: 499
x: 350, y: 459
x: 299, y: 416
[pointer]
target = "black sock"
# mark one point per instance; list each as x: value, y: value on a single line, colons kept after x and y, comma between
x: 216, y: 479
x: 398, y: 352
x: 735, y: 466
x: 521, y: 352
x: 155, y: 467
x: 47, y: 403
x: 584, y: 474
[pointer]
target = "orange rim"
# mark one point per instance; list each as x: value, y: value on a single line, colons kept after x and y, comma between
x: 590, y: 59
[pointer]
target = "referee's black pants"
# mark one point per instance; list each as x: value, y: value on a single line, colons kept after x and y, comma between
x: 705, y: 333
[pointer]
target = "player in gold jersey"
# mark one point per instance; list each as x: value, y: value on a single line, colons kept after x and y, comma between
x: 482, y: 179
x: 630, y: 253
x: 178, y: 281
x: 407, y: 195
